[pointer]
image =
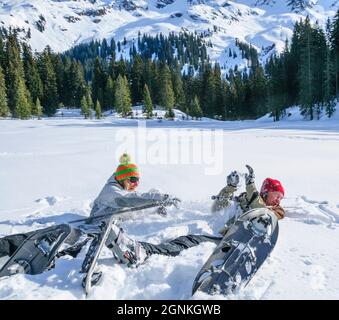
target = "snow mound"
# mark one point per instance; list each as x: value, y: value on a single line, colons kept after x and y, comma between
x: 293, y: 114
x: 137, y: 113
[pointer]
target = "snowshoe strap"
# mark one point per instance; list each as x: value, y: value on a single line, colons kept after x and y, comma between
x: 73, y: 251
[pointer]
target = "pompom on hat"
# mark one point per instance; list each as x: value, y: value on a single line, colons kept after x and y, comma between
x: 126, y: 169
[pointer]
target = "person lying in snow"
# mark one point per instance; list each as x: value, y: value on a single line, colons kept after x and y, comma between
x: 270, y: 196
x: 133, y: 253
x: 120, y: 190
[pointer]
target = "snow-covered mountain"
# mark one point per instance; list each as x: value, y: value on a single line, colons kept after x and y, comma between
x: 64, y: 23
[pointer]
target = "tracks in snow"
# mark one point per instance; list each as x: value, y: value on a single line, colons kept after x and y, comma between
x: 311, y: 211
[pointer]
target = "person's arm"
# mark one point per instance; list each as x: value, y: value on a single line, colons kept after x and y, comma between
x: 114, y: 196
x: 225, y: 195
x: 134, y: 199
x: 251, y: 192
x: 253, y: 197
x: 223, y: 198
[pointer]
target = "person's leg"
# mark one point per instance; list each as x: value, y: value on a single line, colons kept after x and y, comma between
x: 4, y: 247
x: 175, y: 246
x: 133, y: 252
x: 125, y: 249
x: 9, y: 244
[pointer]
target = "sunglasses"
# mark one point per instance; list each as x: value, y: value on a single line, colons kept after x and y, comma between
x: 134, y: 179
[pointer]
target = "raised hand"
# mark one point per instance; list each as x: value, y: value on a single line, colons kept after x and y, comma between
x: 233, y: 179
x: 250, y: 176
x: 169, y: 200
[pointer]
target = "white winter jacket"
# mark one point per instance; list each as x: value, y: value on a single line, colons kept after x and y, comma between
x: 113, y: 195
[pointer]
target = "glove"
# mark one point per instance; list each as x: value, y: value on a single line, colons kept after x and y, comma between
x: 249, y: 177
x: 233, y: 179
x: 171, y: 201
x: 162, y: 211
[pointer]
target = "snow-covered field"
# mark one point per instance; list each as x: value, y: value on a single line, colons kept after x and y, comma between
x: 51, y: 170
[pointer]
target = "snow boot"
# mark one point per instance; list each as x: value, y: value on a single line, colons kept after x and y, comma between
x: 125, y: 249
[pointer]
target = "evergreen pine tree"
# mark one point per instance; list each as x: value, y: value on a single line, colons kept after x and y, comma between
x: 37, y: 109
x: 329, y: 75
x: 122, y: 97
x: 258, y: 93
x: 75, y: 83
x: 109, y: 93
x: 88, y: 96
x: 311, y: 69
x: 165, y: 93
x: 85, y: 110
x: 219, y: 106
x: 32, y: 77
x: 276, y: 87
x: 50, y: 89
x: 98, y: 82
x: 113, y: 48
x: 67, y: 92
x: 209, y: 91
x: 148, y: 75
x: 239, y: 94
x: 335, y: 51
x: 112, y: 67
x: 98, y: 113
x: 119, y: 94
x: 195, y: 108
x: 306, y: 75
x: 18, y: 97
x: 4, y: 110
x: 136, y: 80
x: 121, y: 68
x: 289, y: 77
x: 293, y: 62
x: 190, y: 90
x: 59, y: 69
x: 22, y: 100
x: 319, y: 65
x: 178, y: 88
x: 2, y: 52
x: 148, y: 105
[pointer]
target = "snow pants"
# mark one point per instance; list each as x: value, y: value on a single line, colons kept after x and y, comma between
x: 9, y: 244
x: 175, y: 246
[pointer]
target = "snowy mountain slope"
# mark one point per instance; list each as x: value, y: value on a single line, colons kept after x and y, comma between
x: 52, y: 169
x: 62, y: 24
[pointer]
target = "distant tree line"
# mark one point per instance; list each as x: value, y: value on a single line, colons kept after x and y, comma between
x: 172, y: 71
x: 306, y: 73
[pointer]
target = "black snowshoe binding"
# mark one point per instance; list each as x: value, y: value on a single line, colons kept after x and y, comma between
x: 37, y: 252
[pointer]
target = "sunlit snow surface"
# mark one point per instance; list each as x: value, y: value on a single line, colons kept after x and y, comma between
x: 52, y: 169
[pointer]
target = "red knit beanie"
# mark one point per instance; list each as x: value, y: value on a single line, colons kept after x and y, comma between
x: 271, y: 185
